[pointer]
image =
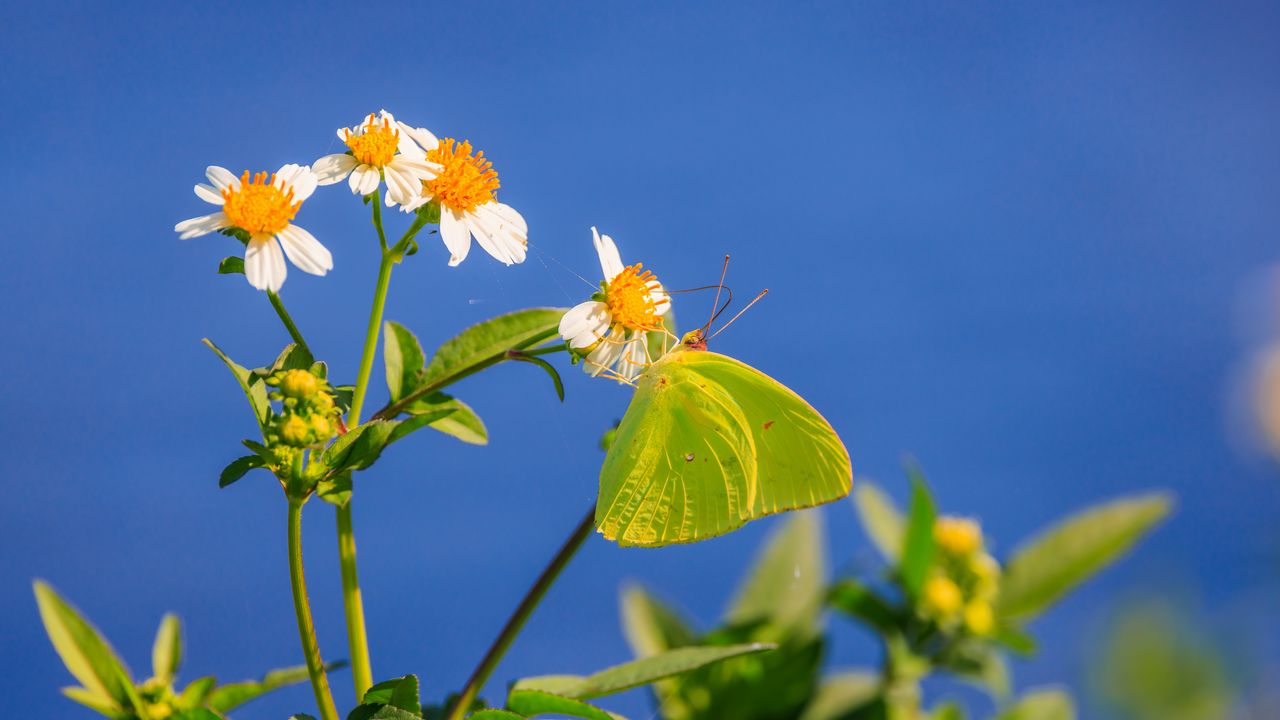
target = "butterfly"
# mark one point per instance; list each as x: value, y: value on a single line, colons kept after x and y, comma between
x: 708, y: 444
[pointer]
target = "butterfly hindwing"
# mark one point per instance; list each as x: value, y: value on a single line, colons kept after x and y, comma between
x: 708, y: 444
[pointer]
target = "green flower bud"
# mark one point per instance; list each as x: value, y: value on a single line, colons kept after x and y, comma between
x: 299, y: 384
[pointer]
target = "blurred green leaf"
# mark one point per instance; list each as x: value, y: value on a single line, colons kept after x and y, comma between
x: 335, y: 489
x: 787, y: 582
x: 96, y: 702
x: 461, y: 421
x: 493, y: 714
x: 233, y: 695
x: 1044, y: 569
x: 250, y: 382
x: 948, y: 711
x: 535, y: 702
x: 490, y: 339
x: 238, y: 468
x: 1045, y: 704
x: 207, y: 714
x: 231, y: 265
x: 1015, y: 638
x: 881, y: 520
x: 83, y: 650
x: 403, y: 357
x: 166, y: 652
x: 196, y: 691
x: 650, y: 626
x: 861, y: 603
x: 637, y: 672
x: 918, y: 548
x: 841, y: 695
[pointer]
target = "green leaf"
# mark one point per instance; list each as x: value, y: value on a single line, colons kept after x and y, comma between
x: 335, y: 489
x: 492, y: 714
x: 880, y: 519
x: 361, y: 448
x: 238, y: 468
x: 402, y: 355
x: 546, y: 366
x: 401, y: 692
x: 207, y: 714
x: 490, y: 339
x: 461, y: 421
x: 1015, y: 638
x: 195, y: 693
x: 650, y: 626
x: 233, y: 695
x: 232, y: 265
x: 535, y: 702
x: 1043, y: 570
x: 979, y: 663
x: 96, y: 702
x: 842, y: 694
x: 251, y: 382
x: 292, y: 357
x: 918, y: 548
x: 1042, y: 704
x: 947, y: 711
x: 861, y: 603
x: 166, y: 652
x: 83, y: 650
x: 301, y: 716
x: 637, y: 672
x: 787, y: 583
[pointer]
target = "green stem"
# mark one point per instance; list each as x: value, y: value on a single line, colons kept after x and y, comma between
x: 302, y: 608
x: 522, y: 612
x: 353, y: 604
x: 288, y: 321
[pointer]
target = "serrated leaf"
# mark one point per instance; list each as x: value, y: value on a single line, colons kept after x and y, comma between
x: 166, y: 651
x: 233, y: 695
x: 841, y: 694
x: 403, y: 359
x: 490, y: 339
x: 401, y: 692
x: 650, y: 626
x: 638, y: 672
x: 232, y: 265
x: 1044, y: 569
x: 881, y: 520
x: 461, y: 422
x: 82, y: 648
x: 918, y: 547
x: 532, y: 703
x: 238, y: 468
x: 1043, y: 704
x: 250, y: 382
x: 787, y: 582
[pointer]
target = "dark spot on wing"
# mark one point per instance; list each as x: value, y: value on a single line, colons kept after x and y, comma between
x: 768, y: 424
x: 688, y: 458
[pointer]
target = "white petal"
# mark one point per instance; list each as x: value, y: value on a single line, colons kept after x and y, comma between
x: 610, y: 261
x: 305, y: 251
x: 604, y: 357
x: 264, y: 264
x: 332, y: 168
x: 401, y: 188
x: 456, y: 236
x: 497, y: 238
x: 416, y: 202
x: 634, y: 358
x: 299, y: 178
x: 221, y: 177
x: 364, y: 179
x: 209, y: 194
x: 585, y: 323
x: 509, y: 215
x: 422, y: 136
x: 491, y: 243
x: 416, y: 166
x: 203, y: 225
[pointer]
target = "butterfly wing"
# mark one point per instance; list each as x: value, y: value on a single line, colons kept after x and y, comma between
x: 708, y: 444
x: 681, y: 467
x: 800, y: 460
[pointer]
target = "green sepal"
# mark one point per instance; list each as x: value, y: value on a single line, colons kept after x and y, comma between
x: 232, y: 265
x: 238, y: 233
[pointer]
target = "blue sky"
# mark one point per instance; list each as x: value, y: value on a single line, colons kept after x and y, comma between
x: 1022, y: 243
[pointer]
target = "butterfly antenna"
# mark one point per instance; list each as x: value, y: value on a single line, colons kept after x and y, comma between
x: 724, y: 327
x: 715, y: 313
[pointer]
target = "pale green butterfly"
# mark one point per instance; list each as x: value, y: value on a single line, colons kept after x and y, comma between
x: 710, y: 443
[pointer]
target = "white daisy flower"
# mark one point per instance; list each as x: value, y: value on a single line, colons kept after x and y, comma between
x: 612, y: 328
x: 263, y: 206
x: 466, y: 189
x: 379, y: 147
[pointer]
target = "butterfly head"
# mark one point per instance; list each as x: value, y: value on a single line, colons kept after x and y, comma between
x: 694, y: 340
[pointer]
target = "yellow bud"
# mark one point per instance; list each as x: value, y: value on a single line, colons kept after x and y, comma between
x: 299, y: 384
x: 942, y: 596
x: 322, y: 426
x: 979, y: 618
x: 958, y: 537
x: 295, y: 431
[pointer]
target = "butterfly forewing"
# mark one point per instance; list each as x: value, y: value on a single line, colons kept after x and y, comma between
x: 681, y: 467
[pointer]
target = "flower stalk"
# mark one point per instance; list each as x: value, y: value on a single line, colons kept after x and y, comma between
x: 302, y: 609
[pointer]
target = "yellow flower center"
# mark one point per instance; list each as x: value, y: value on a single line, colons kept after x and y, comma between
x: 258, y: 206
x: 630, y: 300
x: 466, y: 182
x: 375, y: 146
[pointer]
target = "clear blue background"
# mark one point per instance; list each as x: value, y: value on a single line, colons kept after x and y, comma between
x: 1021, y: 243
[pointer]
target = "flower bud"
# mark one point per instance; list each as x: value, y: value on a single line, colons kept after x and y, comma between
x: 979, y: 618
x: 942, y: 597
x: 295, y: 431
x: 958, y: 537
x: 300, y: 384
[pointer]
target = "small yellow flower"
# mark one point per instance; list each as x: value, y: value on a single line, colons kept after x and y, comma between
x: 300, y: 384
x: 958, y: 537
x: 295, y: 431
x: 942, y: 596
x: 979, y: 618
